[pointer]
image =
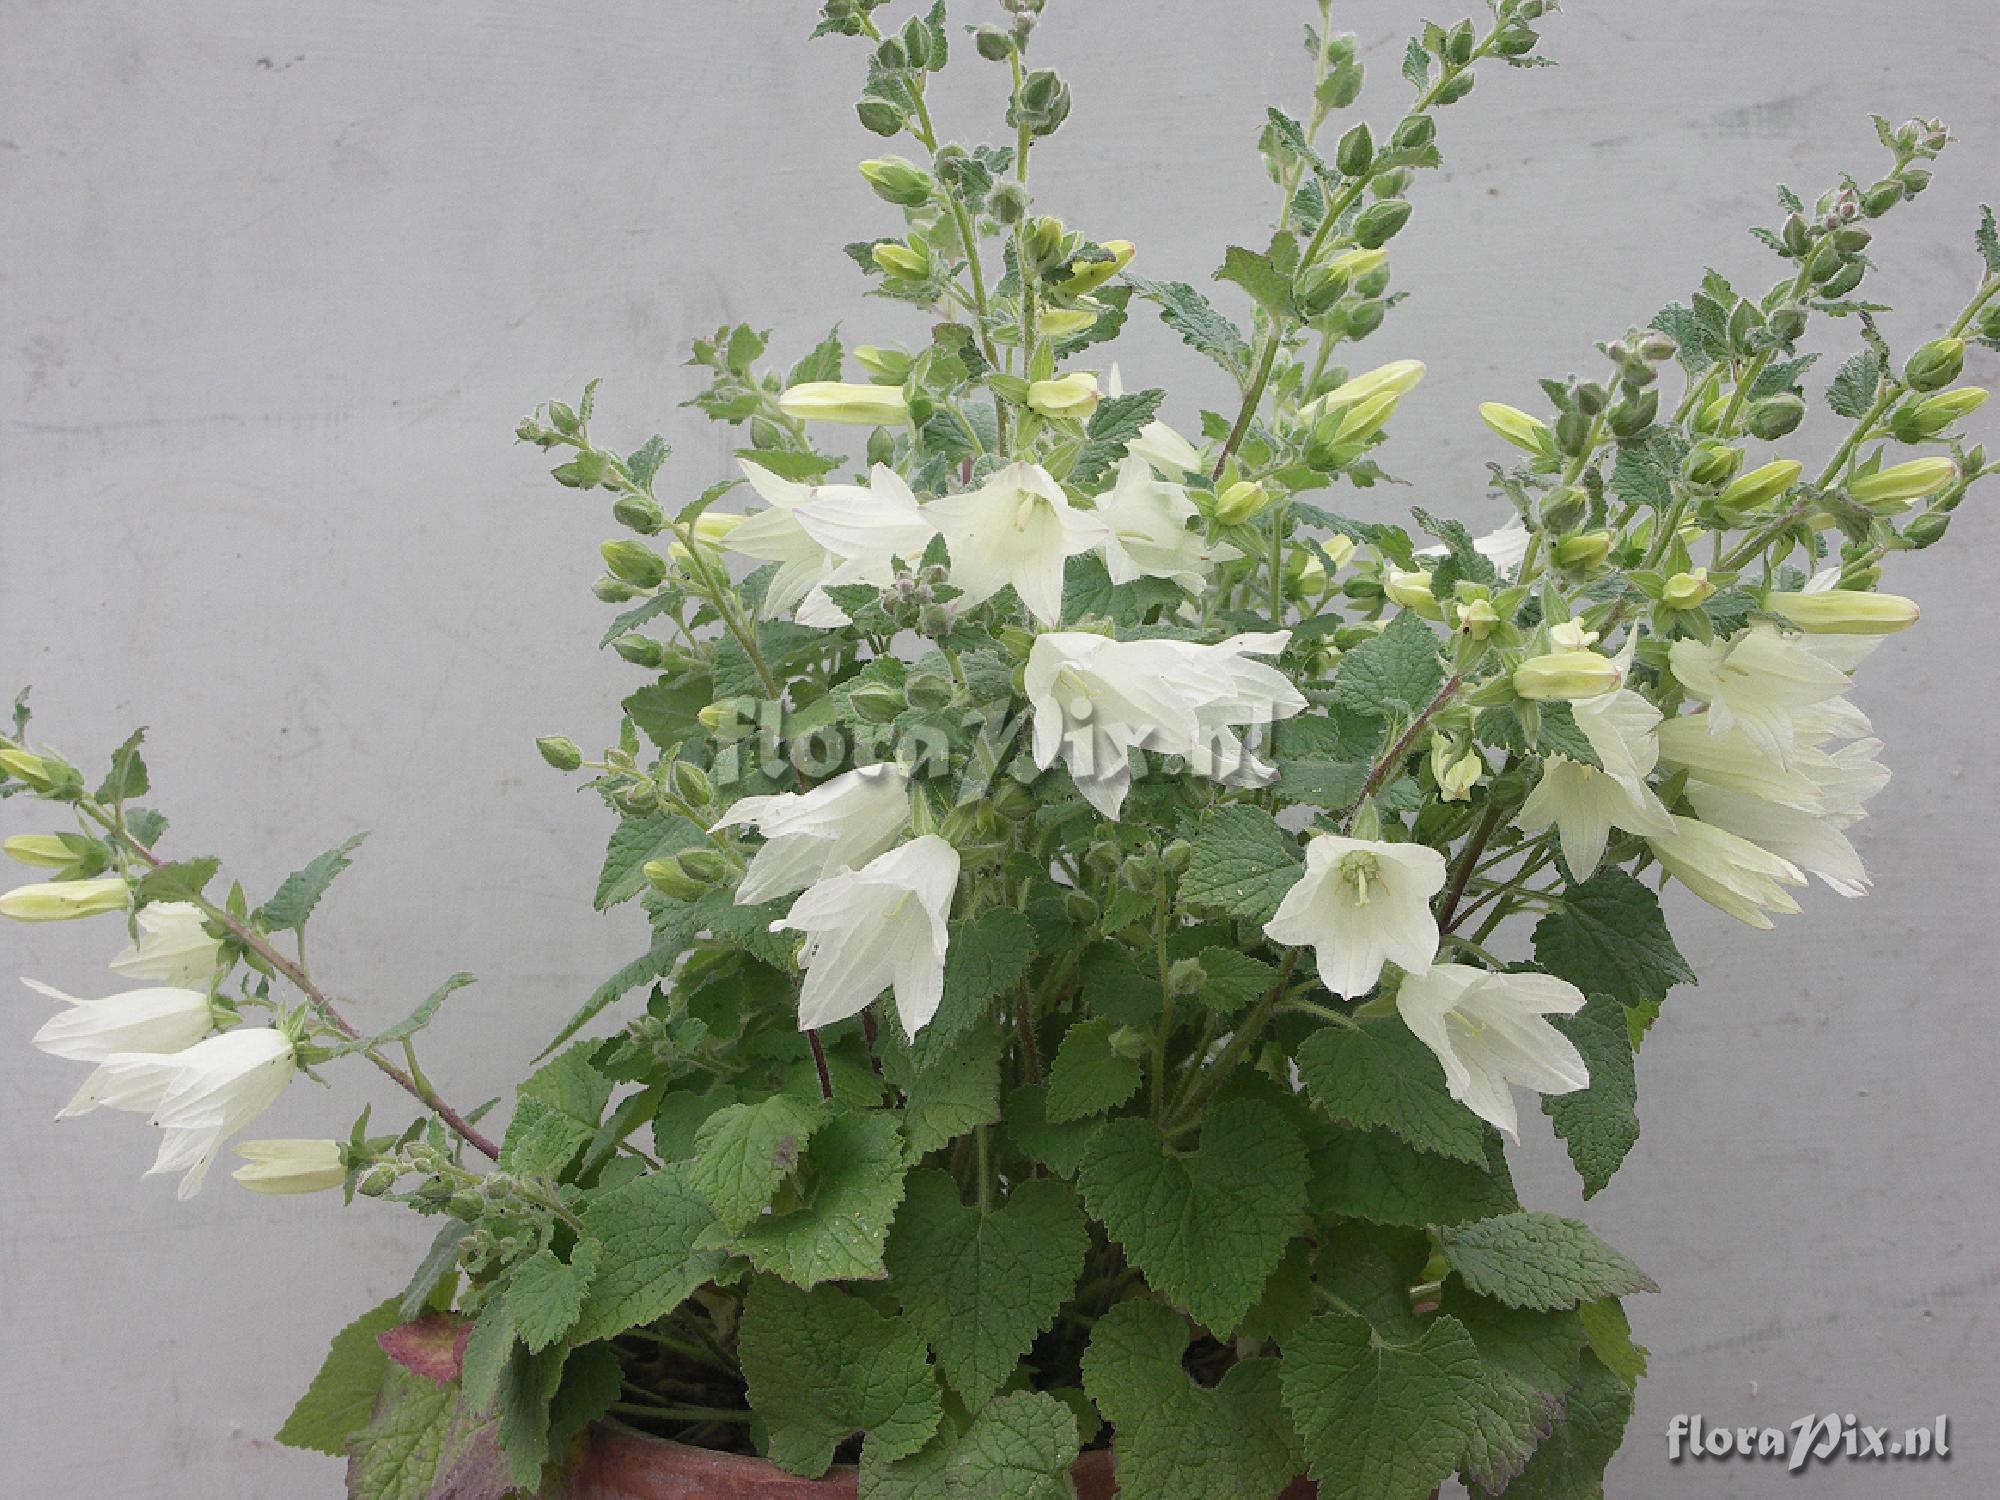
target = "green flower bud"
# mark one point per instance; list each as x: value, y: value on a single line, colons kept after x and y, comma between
x: 1775, y: 416
x: 928, y: 690
x: 1140, y: 873
x: 1711, y: 463
x: 376, y: 1181
x: 561, y: 753
x: 1761, y: 485
x: 1882, y: 197
x: 1567, y: 675
x: 1635, y: 414
x: 46, y: 851
x: 1844, y: 612
x: 839, y: 401
x: 1564, y: 510
x: 1892, y: 489
x: 1915, y: 421
x: 691, y: 784
x: 641, y: 513
x: 671, y: 879
x: 1572, y: 434
x: 1379, y: 222
x: 1687, y: 590
x: 1412, y: 591
x: 1242, y: 501
x: 634, y: 563
x: 1926, y: 530
x: 1185, y: 977
x: 1356, y: 151
x: 1129, y: 1042
x: 993, y: 44
x: 1045, y: 239
x: 1081, y: 909
x: 613, y: 590
x: 879, y: 116
x: 1008, y: 203
x: 1525, y: 432
x: 1787, y: 323
x: 1581, y: 553
x: 876, y: 702
x: 1365, y: 319
x: 640, y: 650
x: 1936, y: 365
x: 905, y: 262
x: 706, y: 865
x: 1844, y: 276
x: 1414, y: 133
x: 1176, y: 857
x: 898, y: 181
x: 1366, y: 418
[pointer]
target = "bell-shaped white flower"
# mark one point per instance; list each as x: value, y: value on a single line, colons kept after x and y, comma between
x: 1096, y: 699
x: 1816, y: 843
x: 1586, y: 803
x: 1730, y: 873
x: 775, y: 535
x: 866, y: 528
x: 1847, y: 779
x: 836, y: 826
x: 152, y: 1020
x: 174, y: 947
x: 1359, y: 905
x: 1733, y: 760
x: 1759, y: 681
x: 1018, y: 528
x: 1146, y: 531
x: 880, y: 927
x: 1157, y: 443
x: 290, y: 1166
x: 1489, y: 1032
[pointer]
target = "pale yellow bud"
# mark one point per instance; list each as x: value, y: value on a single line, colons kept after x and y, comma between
x: 1889, y: 490
x: 1339, y: 549
x: 839, y: 401
x: 1456, y: 775
x: 710, y: 527
x: 1687, y: 590
x: 1478, y: 618
x: 290, y: 1166
x: 1760, y: 486
x: 1067, y: 322
x: 1845, y: 611
x: 1568, y: 675
x: 1242, y: 501
x: 61, y: 900
x: 1306, y: 574
x: 1413, y: 592
x: 44, y: 850
x: 1074, y: 395
x: 1569, y: 635
x: 1525, y: 432
x: 1366, y: 418
x: 1398, y: 378
x: 1089, y: 275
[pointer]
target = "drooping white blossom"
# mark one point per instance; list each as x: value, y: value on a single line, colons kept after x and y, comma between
x: 174, y: 947
x: 1584, y: 802
x: 1157, y: 443
x: 1146, y: 530
x: 1489, y: 1031
x: 1362, y: 903
x: 149, y: 1020
x: 1730, y: 873
x: 866, y: 529
x: 1096, y: 699
x: 880, y: 927
x: 1760, y: 680
x: 774, y: 535
x: 1020, y: 529
x: 809, y: 835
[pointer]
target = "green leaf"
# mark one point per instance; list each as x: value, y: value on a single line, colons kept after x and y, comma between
x: 1018, y: 1448
x: 398, y: 1454
x: 1599, y: 1124
x: 1209, y: 1227
x: 1174, y: 1439
x: 982, y: 1289
x: 633, y: 843
x: 1644, y: 474
x: 1855, y: 384
x: 1370, y: 1174
x: 527, y: 1386
x: 1060, y: 1148
x: 855, y: 1170
x: 953, y: 1093
x: 1417, y: 64
x: 1195, y: 319
x: 301, y: 890
x: 1393, y: 674
x: 1292, y: 136
x: 822, y: 364
x: 988, y: 956
x: 1987, y: 238
x: 1232, y: 980
x: 127, y: 777
x: 1570, y: 1463
x: 651, y: 1263
x: 338, y: 1402
x: 1115, y: 423
x: 1378, y: 1076
x: 1380, y: 1420
x: 1241, y: 865
x: 655, y: 963
x: 1268, y: 286
x: 822, y: 1365
x: 181, y: 881
x: 1528, y: 1362
x: 644, y: 462
x: 745, y: 1151
x: 591, y: 1381
x: 556, y: 1113
x: 1610, y: 1334
x: 1539, y: 1261
x: 411, y: 1024
x: 546, y: 1295
x: 1087, y: 1077
x: 1610, y: 938
x: 1781, y: 375
x: 665, y: 710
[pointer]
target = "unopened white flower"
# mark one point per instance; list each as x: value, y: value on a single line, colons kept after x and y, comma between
x: 1730, y: 873
x: 865, y: 529
x: 1586, y: 803
x: 152, y: 1020
x: 1359, y: 905
x: 290, y: 1166
x: 1157, y: 443
x: 1018, y: 528
x: 174, y: 947
x: 1456, y: 772
x: 1146, y: 530
x: 808, y: 835
x: 1489, y: 1032
x: 1569, y: 635
x: 64, y: 900
x: 1758, y: 681
x: 1096, y: 699
x: 774, y: 535
x: 880, y: 927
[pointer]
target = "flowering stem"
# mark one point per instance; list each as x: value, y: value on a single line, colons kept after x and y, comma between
x: 1380, y: 770
x: 414, y: 1084
x: 819, y: 1061
x: 1024, y: 1023
x: 1474, y: 848
x: 1187, y: 1112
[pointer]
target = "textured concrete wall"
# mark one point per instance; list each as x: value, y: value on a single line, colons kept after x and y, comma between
x: 277, y: 280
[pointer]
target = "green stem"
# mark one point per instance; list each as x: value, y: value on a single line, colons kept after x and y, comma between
x: 1187, y: 1111
x: 1401, y: 748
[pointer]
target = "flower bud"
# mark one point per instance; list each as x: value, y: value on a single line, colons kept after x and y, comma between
x: 640, y: 650
x: 1927, y: 529
x: 560, y: 753
x: 1914, y: 421
x: 1379, y: 222
x: 1478, y: 618
x: 1089, y: 275
x: 1045, y: 239
x: 1456, y: 773
x: 1242, y: 501
x: 705, y: 865
x: 1775, y: 416
x: 1583, y: 552
x: 1305, y: 575
x: 634, y: 563
x: 1761, y: 485
x: 641, y: 513
x: 608, y: 590
x: 1844, y: 611
x: 1176, y: 857
x: 691, y: 784
x: 839, y: 401
x: 1366, y: 418
x: 1563, y: 509
x: 1067, y: 322
x: 1568, y: 675
x: 1081, y: 908
x: 879, y: 116
x: 62, y: 900
x: 1711, y: 463
x: 710, y: 528
x: 1008, y: 203
x: 993, y: 44
x: 1635, y: 414
x: 1074, y: 396
x: 290, y: 1166
x: 671, y: 879
x: 1185, y: 977
x: 46, y: 851
x: 898, y: 181
x: 892, y: 365
x: 876, y: 702
x: 1397, y: 378
x: 904, y: 262
x: 1687, y: 590
x: 1892, y: 489
x: 1525, y: 432
x: 1936, y: 365
x: 377, y: 1181
x: 928, y: 690
x: 1413, y: 592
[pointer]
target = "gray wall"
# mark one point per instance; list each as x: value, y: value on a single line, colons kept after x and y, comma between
x: 277, y: 281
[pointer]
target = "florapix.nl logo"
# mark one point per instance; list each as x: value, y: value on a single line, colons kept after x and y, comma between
x: 1831, y: 1437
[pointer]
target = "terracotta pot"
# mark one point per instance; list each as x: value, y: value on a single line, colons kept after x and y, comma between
x: 620, y: 1464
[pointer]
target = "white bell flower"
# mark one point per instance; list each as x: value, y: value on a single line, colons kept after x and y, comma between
x: 1147, y: 531
x: 775, y: 535
x: 1816, y: 843
x: 1361, y: 904
x: 836, y: 826
x: 880, y: 927
x: 866, y: 528
x: 1586, y: 803
x: 1018, y: 528
x: 1733, y: 760
x: 1157, y: 443
x: 1730, y: 873
x: 290, y: 1166
x: 1847, y: 778
x: 174, y: 947
x: 152, y: 1020
x: 1758, y: 681
x: 1096, y: 699
x: 1488, y: 1031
